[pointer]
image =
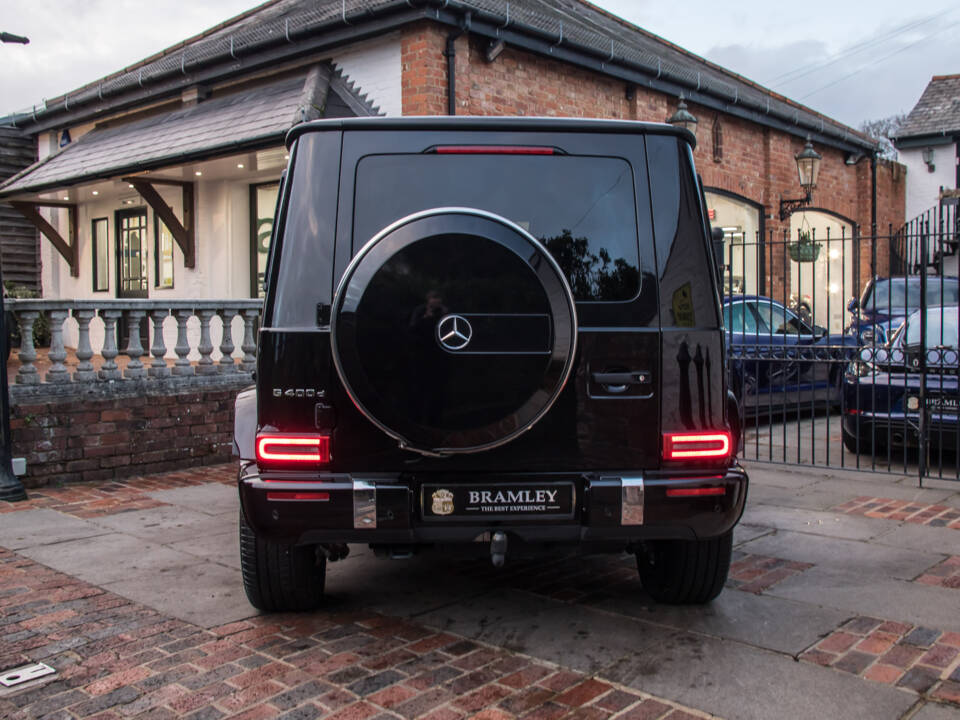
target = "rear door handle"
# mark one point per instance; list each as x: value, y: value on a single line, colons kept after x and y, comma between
x: 617, y: 379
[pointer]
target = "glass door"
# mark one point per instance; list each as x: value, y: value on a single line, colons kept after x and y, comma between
x: 131, y: 253
x: 131, y: 267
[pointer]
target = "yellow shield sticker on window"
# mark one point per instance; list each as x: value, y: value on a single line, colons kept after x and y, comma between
x: 683, y: 314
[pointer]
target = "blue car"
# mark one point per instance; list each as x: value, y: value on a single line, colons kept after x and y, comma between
x: 886, y: 302
x: 778, y: 360
x: 882, y: 397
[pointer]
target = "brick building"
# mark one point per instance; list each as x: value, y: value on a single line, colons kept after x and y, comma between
x: 159, y: 181
x: 219, y: 104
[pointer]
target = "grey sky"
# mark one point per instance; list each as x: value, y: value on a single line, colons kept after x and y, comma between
x: 882, y: 57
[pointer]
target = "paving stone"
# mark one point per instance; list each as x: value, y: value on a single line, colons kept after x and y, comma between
x: 374, y: 683
x: 854, y: 662
x: 919, y: 679
x: 206, y: 713
x: 304, y: 712
x: 104, y: 702
x: 392, y: 696
x: 424, y: 702
x: 922, y: 637
x: 647, y: 710
x: 948, y: 691
x: 862, y: 625
x: 347, y: 675
x: 583, y: 693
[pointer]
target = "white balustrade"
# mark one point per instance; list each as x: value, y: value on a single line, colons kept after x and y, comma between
x: 134, y: 319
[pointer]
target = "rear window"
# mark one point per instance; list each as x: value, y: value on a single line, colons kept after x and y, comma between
x: 905, y: 294
x: 581, y: 208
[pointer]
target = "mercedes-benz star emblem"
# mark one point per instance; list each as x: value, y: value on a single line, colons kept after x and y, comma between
x: 454, y: 332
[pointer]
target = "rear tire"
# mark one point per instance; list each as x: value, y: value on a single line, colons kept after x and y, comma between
x: 685, y: 572
x: 278, y: 577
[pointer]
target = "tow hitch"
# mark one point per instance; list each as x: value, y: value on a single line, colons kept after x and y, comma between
x: 498, y: 549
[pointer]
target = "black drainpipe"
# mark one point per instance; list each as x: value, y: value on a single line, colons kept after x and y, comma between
x: 873, y: 194
x: 451, y: 54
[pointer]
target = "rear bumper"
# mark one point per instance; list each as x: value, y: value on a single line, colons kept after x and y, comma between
x: 899, y: 429
x: 382, y: 509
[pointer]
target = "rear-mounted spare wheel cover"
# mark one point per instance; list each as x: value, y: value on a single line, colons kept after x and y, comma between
x: 453, y: 330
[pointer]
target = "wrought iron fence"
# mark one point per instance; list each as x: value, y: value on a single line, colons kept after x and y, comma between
x: 843, y: 347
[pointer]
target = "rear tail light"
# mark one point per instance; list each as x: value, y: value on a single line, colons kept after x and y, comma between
x: 292, y: 449
x: 697, y: 446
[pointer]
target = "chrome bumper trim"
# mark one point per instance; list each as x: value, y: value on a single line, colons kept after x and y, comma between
x: 364, y: 505
x: 631, y: 501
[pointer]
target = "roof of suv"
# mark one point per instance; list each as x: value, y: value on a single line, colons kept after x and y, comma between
x: 473, y: 122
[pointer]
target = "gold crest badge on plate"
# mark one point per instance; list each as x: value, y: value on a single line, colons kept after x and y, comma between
x: 441, y: 502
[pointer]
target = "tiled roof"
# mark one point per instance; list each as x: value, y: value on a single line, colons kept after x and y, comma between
x: 937, y: 111
x: 255, y: 117
x: 567, y: 24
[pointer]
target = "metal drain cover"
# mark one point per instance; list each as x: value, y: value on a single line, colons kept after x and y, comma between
x: 25, y: 673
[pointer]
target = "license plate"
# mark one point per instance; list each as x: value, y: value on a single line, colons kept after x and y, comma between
x: 943, y: 404
x: 515, y: 500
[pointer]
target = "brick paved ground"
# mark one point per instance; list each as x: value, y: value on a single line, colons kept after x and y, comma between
x: 756, y: 573
x: 913, y: 658
x: 945, y: 574
x: 902, y: 510
x: 87, y: 500
x: 116, y: 658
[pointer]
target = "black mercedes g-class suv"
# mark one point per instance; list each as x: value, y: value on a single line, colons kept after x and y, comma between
x: 498, y: 333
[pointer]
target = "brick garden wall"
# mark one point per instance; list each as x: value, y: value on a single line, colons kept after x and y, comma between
x: 758, y: 162
x: 106, y: 432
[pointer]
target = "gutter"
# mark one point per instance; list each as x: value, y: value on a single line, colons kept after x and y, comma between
x: 450, y: 53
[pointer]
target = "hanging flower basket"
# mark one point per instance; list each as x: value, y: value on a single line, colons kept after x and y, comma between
x: 804, y: 250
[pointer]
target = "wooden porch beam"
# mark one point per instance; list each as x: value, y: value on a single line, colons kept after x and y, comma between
x: 184, y: 233
x: 67, y: 248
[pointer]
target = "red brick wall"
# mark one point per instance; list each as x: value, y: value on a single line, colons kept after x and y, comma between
x: 758, y: 162
x: 78, y: 438
x: 424, y: 71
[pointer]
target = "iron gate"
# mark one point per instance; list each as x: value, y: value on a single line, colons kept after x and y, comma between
x: 843, y: 347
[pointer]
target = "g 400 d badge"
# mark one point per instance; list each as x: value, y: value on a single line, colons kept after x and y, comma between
x: 298, y: 392
x: 441, y: 502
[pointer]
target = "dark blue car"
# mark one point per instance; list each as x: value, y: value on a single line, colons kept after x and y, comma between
x: 882, y: 389
x: 778, y: 360
x: 886, y: 302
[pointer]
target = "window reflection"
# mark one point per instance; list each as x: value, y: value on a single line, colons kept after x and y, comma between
x: 582, y: 209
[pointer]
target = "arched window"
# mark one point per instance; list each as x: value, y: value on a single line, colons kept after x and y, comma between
x: 717, y: 140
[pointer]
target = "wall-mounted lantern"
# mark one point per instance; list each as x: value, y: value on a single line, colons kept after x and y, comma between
x: 683, y: 117
x: 808, y: 167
